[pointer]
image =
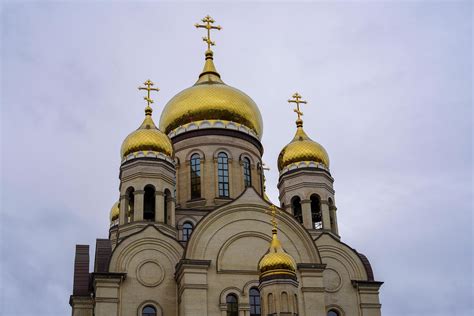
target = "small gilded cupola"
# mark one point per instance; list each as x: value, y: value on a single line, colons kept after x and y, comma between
x: 147, y: 175
x: 276, y: 263
x: 277, y: 277
x: 147, y: 139
x: 302, y: 150
x: 305, y: 183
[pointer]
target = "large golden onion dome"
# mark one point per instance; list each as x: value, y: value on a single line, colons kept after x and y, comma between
x: 114, y: 212
x: 147, y: 138
x: 302, y: 149
x: 276, y: 261
x: 211, y: 99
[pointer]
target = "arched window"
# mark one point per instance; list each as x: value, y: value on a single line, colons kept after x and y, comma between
x: 195, y: 163
x: 131, y: 204
x: 149, y: 311
x: 167, y: 205
x: 187, y: 230
x: 223, y: 174
x: 254, y: 299
x: 149, y: 203
x: 316, y: 217
x: 285, y: 308
x: 271, y: 304
x: 295, y: 304
x: 247, y: 173
x: 232, y: 305
x: 333, y: 312
x: 296, y: 206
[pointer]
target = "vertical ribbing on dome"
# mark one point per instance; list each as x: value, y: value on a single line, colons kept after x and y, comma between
x: 209, y: 73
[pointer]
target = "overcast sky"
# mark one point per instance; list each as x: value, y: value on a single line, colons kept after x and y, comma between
x: 388, y: 86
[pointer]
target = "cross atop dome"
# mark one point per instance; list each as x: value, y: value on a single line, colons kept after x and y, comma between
x: 297, y: 99
x: 149, y: 84
x: 208, y: 26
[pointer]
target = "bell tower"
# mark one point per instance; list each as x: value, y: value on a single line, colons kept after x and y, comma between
x: 305, y: 183
x: 147, y: 178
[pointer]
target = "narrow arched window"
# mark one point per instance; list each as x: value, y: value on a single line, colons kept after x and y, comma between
x: 131, y: 205
x: 285, y: 308
x: 149, y: 203
x: 316, y: 217
x: 232, y: 305
x: 195, y: 163
x: 149, y: 311
x: 296, y: 207
x: 187, y: 230
x: 254, y: 300
x: 333, y: 312
x: 271, y: 304
x: 166, y: 206
x: 295, y: 304
x: 223, y: 174
x: 247, y: 173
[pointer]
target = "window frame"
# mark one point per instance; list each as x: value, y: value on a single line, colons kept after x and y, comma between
x: 223, y: 175
x: 188, y: 230
x: 195, y: 176
x: 247, y: 165
x: 255, y: 307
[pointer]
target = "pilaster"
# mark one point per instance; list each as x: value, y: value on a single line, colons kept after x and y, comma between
x: 306, y: 210
x: 325, y: 215
x: 107, y: 293
x: 123, y: 209
x: 312, y: 289
x: 368, y: 297
x: 138, y: 205
x: 191, y: 276
x: 82, y: 305
x: 159, y: 207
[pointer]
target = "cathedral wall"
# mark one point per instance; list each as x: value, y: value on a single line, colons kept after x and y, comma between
x: 149, y: 259
x: 208, y: 146
x: 235, y: 238
x: 343, y: 266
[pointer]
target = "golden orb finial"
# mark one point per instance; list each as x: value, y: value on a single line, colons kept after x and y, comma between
x: 297, y: 99
x: 208, y: 26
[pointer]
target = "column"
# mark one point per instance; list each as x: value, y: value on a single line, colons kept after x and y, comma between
x: 82, y: 305
x: 139, y: 196
x: 326, y: 216
x: 209, y: 180
x: 123, y: 218
x: 332, y: 210
x: 306, y: 210
x: 172, y: 212
x: 159, y: 207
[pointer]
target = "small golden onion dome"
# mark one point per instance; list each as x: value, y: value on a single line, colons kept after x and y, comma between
x: 114, y: 212
x: 276, y: 261
x: 211, y: 99
x: 147, y: 138
x: 302, y: 148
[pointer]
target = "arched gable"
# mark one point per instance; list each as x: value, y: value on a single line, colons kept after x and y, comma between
x: 219, y: 235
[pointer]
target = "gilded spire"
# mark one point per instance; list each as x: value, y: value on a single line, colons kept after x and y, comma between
x: 149, y: 84
x: 297, y: 99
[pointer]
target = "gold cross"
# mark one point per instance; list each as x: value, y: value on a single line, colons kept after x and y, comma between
x: 297, y: 99
x: 148, y: 88
x: 273, y: 210
x: 208, y: 20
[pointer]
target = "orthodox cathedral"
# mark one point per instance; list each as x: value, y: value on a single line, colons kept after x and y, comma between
x: 193, y: 232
